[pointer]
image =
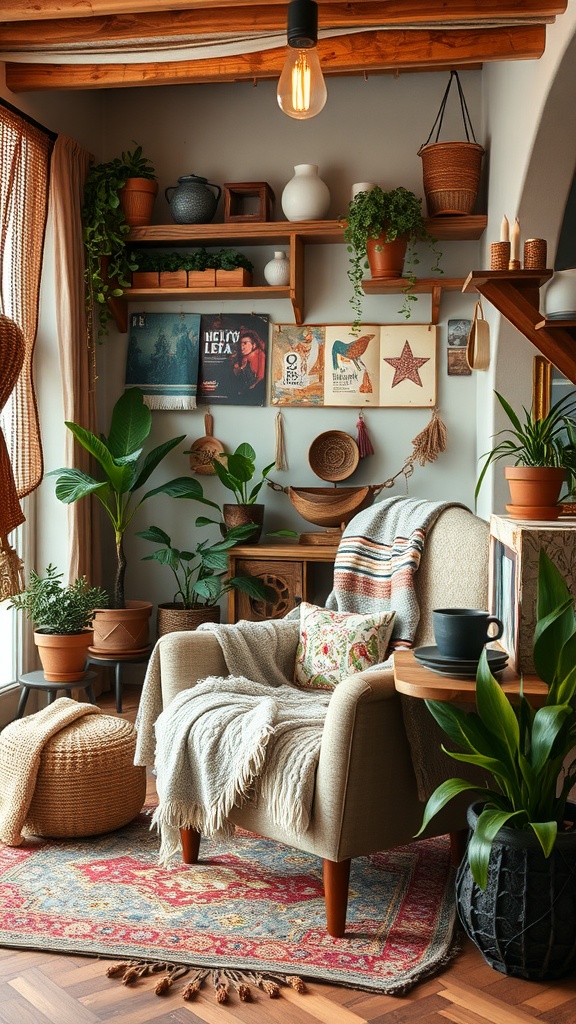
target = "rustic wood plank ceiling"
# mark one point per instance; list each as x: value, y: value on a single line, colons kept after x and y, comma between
x: 41, y: 40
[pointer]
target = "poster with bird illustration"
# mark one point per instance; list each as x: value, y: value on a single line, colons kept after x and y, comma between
x: 378, y: 365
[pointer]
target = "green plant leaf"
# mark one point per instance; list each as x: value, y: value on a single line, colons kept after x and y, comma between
x: 546, y: 832
x: 488, y: 825
x: 73, y: 484
x: 155, y: 534
x: 130, y: 423
x: 153, y: 459
x: 442, y: 795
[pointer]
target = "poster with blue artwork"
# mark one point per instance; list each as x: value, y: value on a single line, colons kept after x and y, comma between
x: 162, y: 359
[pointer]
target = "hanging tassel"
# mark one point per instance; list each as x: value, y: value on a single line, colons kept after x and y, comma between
x: 281, y: 462
x: 364, y: 443
x: 431, y: 441
x: 12, y: 580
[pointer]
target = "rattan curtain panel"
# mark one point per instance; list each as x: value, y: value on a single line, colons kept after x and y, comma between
x: 25, y: 150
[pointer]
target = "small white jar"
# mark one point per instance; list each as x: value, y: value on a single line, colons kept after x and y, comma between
x: 277, y: 271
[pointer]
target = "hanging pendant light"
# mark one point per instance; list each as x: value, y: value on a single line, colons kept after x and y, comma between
x: 301, y: 87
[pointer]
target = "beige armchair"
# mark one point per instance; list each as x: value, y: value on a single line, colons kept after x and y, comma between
x: 366, y: 795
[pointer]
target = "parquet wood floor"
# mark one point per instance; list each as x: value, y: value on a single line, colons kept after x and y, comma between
x: 42, y: 988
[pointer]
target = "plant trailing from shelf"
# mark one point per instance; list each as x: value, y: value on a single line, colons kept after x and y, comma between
x: 200, y: 574
x: 385, y: 217
x: 125, y: 468
x: 57, y: 609
x: 109, y: 261
x: 518, y: 866
x: 545, y: 443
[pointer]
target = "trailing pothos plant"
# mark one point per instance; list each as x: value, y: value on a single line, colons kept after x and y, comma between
x: 528, y: 753
x: 397, y: 213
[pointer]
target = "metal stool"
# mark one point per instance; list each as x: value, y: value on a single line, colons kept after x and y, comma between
x: 37, y: 681
x: 116, y: 662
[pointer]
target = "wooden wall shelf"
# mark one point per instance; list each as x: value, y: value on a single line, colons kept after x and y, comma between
x: 295, y: 235
x: 433, y: 286
x: 516, y: 294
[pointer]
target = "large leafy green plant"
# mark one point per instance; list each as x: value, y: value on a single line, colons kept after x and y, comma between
x: 58, y: 609
x: 523, y: 750
x: 199, y: 574
x: 397, y: 213
x: 549, y: 441
x: 125, y: 468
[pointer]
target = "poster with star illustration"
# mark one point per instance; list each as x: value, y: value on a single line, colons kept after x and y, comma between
x: 408, y: 365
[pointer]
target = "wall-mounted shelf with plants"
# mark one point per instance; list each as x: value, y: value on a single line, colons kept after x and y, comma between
x: 294, y: 236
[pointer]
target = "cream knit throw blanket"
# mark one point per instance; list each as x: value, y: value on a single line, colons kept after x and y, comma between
x: 18, y: 778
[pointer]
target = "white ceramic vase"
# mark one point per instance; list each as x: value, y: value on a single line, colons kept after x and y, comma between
x: 560, y: 295
x: 277, y: 271
x: 306, y: 196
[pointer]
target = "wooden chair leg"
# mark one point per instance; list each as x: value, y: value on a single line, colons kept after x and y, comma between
x: 336, y: 879
x: 458, y: 844
x: 190, y: 845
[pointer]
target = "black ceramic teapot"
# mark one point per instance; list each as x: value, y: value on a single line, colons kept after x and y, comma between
x: 191, y: 201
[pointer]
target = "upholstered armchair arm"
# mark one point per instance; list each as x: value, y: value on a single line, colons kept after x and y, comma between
x: 185, y: 658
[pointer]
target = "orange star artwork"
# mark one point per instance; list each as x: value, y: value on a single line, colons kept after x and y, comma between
x: 406, y: 366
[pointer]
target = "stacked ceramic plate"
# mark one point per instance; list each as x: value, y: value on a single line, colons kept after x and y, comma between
x: 431, y: 658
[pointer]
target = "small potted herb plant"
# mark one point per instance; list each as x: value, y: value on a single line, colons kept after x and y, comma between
x: 382, y: 229
x: 62, y: 616
x: 233, y: 269
x: 235, y: 471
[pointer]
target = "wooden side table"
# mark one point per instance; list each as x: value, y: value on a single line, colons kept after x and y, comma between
x: 288, y: 568
x: 415, y: 680
x: 37, y: 681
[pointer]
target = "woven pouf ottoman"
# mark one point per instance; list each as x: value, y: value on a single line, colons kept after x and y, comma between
x: 87, y: 782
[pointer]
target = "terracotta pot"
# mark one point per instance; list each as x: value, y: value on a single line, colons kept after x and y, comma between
x: 137, y: 200
x: 386, y: 259
x: 63, y: 657
x: 174, y: 618
x: 121, y: 630
x: 538, y: 487
x: 239, y: 515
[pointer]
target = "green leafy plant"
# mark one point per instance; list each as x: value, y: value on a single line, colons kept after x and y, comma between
x: 199, y: 574
x: 109, y: 262
x: 549, y: 441
x: 231, y: 259
x: 125, y: 468
x: 523, y: 750
x: 398, y: 213
x: 235, y: 471
x: 58, y: 609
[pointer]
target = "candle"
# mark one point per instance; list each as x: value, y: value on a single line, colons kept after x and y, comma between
x: 515, y: 241
x: 504, y: 230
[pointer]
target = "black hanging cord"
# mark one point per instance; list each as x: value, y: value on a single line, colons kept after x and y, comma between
x: 465, y: 114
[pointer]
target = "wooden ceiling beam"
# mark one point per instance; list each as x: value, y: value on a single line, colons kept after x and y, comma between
x: 23, y: 35
x: 365, y: 52
x: 398, y: 12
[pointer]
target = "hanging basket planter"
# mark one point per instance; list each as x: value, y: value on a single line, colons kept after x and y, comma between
x: 451, y: 170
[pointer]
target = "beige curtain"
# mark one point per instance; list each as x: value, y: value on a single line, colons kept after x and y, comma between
x: 24, y: 165
x: 69, y: 169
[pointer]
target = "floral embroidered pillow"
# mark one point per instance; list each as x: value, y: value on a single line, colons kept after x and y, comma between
x: 334, y: 645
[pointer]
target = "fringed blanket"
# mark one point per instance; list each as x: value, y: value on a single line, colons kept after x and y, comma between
x: 21, y: 745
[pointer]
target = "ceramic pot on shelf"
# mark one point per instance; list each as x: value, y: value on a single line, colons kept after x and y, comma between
x: 191, y: 201
x: 277, y: 271
x: 306, y: 196
x: 386, y: 259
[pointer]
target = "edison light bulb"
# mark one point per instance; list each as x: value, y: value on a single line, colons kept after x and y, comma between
x: 301, y: 87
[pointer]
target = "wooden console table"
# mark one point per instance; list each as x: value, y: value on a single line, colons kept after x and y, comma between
x: 415, y: 680
x: 288, y: 568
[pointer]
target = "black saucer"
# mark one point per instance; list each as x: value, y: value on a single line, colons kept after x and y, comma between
x: 431, y: 657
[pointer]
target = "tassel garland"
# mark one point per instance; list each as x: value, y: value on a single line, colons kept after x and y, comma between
x: 281, y: 462
x: 364, y: 443
x: 431, y: 441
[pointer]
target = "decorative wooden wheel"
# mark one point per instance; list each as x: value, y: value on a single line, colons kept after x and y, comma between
x: 280, y: 604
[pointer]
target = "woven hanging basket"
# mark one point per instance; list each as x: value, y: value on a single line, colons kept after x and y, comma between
x: 451, y: 170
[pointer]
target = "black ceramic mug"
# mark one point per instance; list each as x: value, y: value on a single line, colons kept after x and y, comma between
x: 463, y: 632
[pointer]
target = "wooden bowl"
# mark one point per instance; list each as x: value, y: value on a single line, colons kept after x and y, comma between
x: 333, y: 455
x: 330, y: 506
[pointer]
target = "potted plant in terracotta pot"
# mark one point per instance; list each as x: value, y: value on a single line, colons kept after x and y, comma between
x: 544, y: 452
x: 235, y: 471
x: 62, y: 617
x: 381, y: 229
x: 200, y: 577
x: 125, y: 467
x: 515, y: 885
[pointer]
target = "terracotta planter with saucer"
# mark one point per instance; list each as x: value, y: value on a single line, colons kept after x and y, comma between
x: 63, y: 656
x: 121, y: 631
x: 534, y: 491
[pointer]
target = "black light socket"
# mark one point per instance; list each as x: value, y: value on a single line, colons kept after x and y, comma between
x: 302, y: 33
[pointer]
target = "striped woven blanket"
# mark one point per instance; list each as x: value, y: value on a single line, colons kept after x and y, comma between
x: 378, y: 555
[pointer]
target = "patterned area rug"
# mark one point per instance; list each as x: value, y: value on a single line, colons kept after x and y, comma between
x: 250, y: 905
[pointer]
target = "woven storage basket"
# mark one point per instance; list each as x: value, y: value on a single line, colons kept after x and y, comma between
x: 174, y: 618
x: 451, y: 170
x: 87, y: 781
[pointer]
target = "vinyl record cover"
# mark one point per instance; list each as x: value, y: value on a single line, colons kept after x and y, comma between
x: 163, y: 358
x: 233, y: 358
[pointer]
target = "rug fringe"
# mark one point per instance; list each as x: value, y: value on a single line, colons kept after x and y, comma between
x: 130, y: 971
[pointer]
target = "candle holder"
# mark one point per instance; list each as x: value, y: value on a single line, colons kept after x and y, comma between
x: 514, y: 265
x: 499, y: 255
x: 535, y: 254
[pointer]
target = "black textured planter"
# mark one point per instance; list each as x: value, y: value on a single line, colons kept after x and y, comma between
x: 524, y: 922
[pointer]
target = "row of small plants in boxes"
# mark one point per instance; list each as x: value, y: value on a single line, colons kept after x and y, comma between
x: 197, y: 269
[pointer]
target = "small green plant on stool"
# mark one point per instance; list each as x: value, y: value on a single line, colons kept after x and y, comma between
x: 59, y: 609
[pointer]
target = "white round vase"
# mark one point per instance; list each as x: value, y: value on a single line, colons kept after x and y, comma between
x: 560, y: 295
x: 277, y: 271
x: 306, y: 196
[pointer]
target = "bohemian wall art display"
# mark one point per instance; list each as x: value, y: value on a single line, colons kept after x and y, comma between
x: 233, y: 358
x: 380, y: 365
x: 162, y: 358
